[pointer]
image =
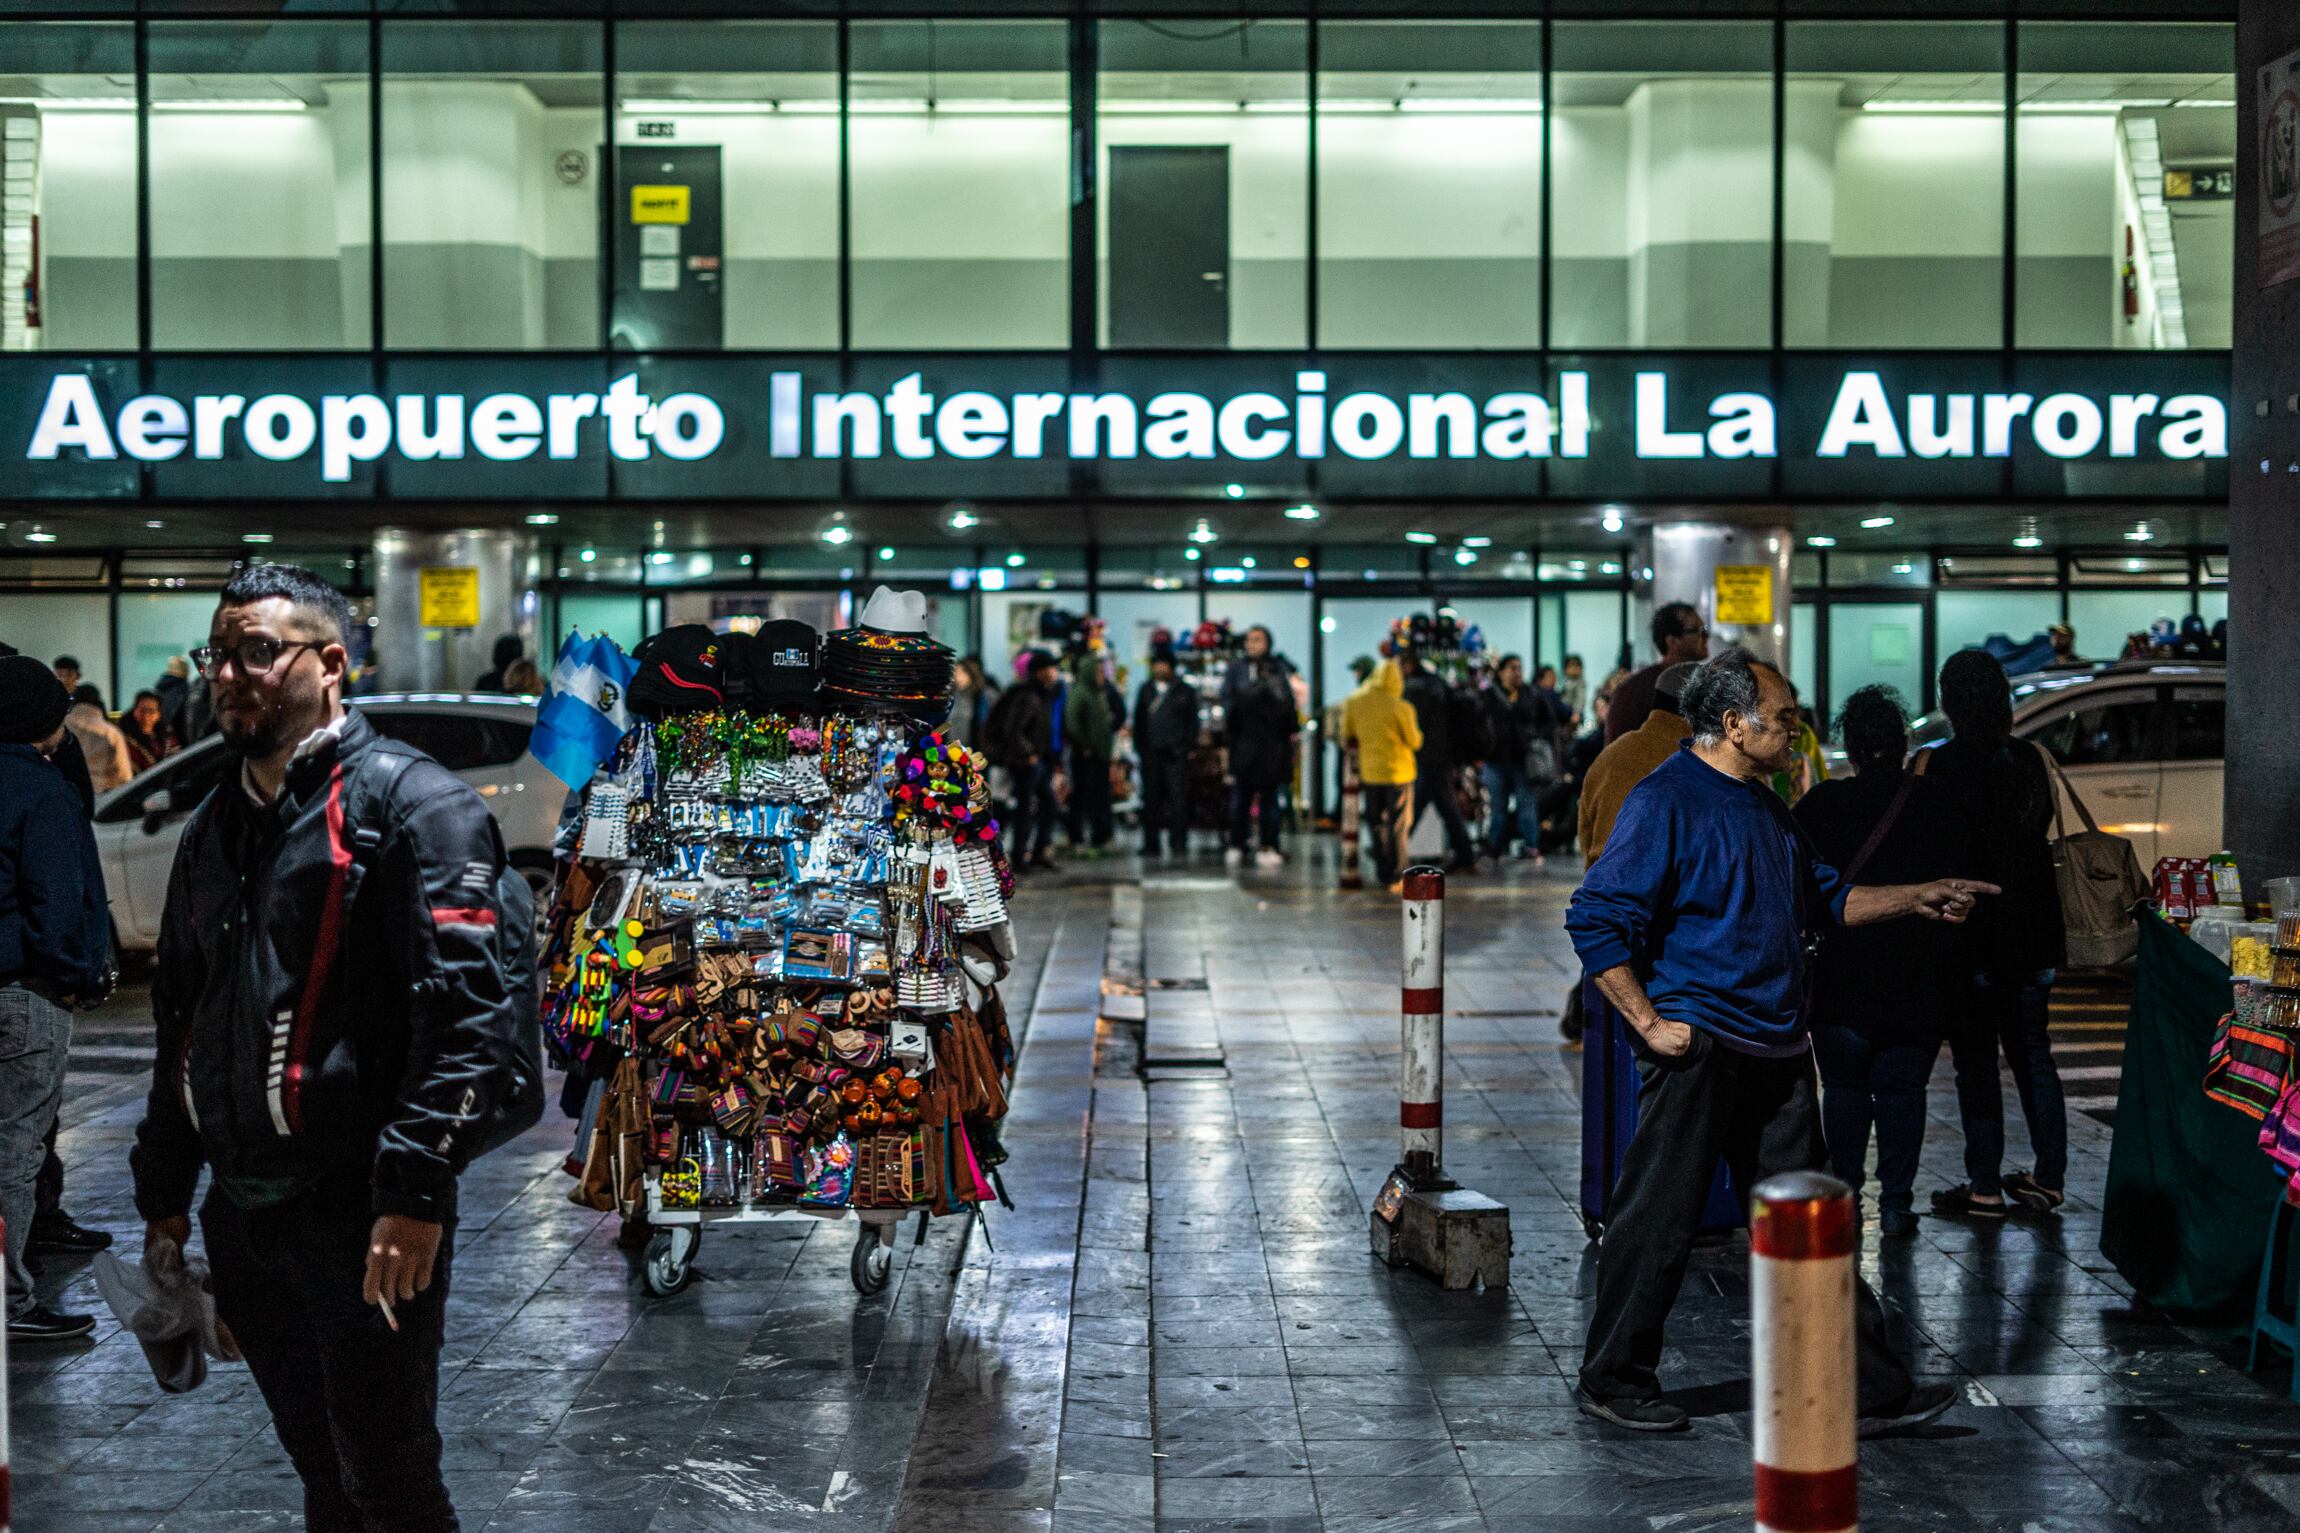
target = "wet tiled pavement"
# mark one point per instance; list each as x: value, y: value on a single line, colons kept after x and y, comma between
x: 1179, y: 1328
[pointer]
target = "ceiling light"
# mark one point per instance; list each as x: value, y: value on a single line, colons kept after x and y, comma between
x: 155, y: 524
x: 2028, y: 540
x: 990, y: 578
x: 659, y: 556
x: 838, y: 534
x: 1234, y: 491
x: 1301, y: 561
x: 1248, y: 561
x: 961, y: 519
x: 542, y: 519
x: 744, y: 560
x: 1465, y: 556
x: 1609, y: 568
x: 1421, y: 537
x: 2140, y: 534
x: 1327, y: 624
x: 885, y: 554
x: 1820, y: 542
x: 255, y: 537
x: 1203, y: 534
x: 1190, y: 553
x: 1874, y: 522
x: 1612, y: 520
x: 1904, y: 568
x: 1015, y: 561
x: 39, y: 537
x: 1301, y: 513
x: 1477, y: 542
x: 588, y: 555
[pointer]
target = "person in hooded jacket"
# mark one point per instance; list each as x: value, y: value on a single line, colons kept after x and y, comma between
x: 1020, y: 737
x: 1262, y: 724
x: 1165, y: 732
x: 1379, y: 721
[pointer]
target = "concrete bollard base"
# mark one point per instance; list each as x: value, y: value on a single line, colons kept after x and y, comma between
x: 1459, y: 1237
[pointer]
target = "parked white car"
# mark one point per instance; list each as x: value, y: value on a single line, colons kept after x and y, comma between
x: 481, y: 739
x: 2142, y: 742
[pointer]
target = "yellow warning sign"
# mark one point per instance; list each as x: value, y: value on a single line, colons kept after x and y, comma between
x: 449, y: 596
x: 659, y: 204
x: 1745, y: 595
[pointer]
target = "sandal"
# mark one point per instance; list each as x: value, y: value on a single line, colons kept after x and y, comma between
x: 1958, y: 1201
x: 2032, y: 1194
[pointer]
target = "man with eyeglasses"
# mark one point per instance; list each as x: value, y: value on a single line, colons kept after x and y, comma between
x: 1681, y: 635
x: 331, y: 999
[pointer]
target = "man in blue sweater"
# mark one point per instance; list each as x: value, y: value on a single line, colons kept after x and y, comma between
x: 1694, y: 923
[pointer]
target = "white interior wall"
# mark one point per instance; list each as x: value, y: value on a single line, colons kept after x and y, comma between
x: 88, y: 184
x: 245, y: 186
x: 1591, y: 145
x: 1908, y: 185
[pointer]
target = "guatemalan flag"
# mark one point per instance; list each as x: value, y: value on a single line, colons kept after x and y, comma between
x: 582, y: 714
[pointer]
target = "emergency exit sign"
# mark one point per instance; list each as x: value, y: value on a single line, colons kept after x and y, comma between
x: 2200, y: 183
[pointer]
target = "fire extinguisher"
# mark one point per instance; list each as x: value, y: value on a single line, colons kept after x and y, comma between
x: 2131, y: 280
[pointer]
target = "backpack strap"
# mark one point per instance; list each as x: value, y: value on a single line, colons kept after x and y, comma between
x: 371, y: 790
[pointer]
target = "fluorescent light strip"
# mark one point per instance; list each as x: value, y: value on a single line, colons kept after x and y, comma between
x: 128, y: 104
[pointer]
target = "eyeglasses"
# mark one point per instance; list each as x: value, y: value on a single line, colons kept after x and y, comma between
x: 254, y: 657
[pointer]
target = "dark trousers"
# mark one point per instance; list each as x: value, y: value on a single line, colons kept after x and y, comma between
x: 1386, y: 810
x: 2012, y: 1013
x: 1166, y: 800
x: 1435, y: 787
x: 48, y: 1186
x: 1244, y: 801
x: 1030, y: 819
x: 353, y: 1401
x: 1864, y: 1082
x: 1763, y: 1116
x: 1090, y: 821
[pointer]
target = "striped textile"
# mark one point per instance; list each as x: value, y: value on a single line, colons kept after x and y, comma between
x: 2248, y: 1068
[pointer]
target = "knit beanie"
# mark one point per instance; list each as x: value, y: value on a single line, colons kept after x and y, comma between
x: 32, y: 701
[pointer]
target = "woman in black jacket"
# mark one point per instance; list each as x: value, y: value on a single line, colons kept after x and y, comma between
x: 1881, y: 993
x: 2014, y: 944
x: 1261, y: 722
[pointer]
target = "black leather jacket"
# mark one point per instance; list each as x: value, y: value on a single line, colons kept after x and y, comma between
x: 330, y: 993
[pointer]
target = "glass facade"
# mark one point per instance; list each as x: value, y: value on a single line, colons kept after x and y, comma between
x: 1186, y: 183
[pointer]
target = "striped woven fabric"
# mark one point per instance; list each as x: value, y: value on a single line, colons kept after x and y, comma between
x: 2280, y: 1135
x: 2248, y: 1068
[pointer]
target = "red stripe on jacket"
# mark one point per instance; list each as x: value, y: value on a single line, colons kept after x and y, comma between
x: 322, y: 954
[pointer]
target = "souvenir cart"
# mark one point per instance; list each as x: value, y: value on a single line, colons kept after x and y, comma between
x: 781, y: 940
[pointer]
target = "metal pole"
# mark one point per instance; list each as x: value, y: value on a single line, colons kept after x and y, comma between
x: 1352, y: 877
x: 1421, y: 1031
x: 1801, y: 1238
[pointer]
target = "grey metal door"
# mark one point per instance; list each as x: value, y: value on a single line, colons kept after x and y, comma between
x: 669, y: 251
x: 1170, y: 245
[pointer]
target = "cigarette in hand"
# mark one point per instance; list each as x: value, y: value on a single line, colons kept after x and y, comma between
x: 389, y: 1318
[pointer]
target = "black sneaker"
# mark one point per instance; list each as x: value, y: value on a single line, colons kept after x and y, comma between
x: 61, y: 1234
x: 1922, y: 1404
x: 1958, y: 1202
x: 40, y: 1323
x: 1635, y: 1415
x: 2021, y: 1187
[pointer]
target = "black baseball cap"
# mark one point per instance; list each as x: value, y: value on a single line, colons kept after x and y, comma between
x: 785, y: 663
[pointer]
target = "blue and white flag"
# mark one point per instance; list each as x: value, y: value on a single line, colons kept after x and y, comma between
x: 583, y: 713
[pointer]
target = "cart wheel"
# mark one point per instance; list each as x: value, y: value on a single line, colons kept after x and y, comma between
x: 872, y: 1263
x: 670, y: 1262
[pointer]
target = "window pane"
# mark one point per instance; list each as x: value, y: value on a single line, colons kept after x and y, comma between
x: 1205, y: 148
x: 1894, y: 185
x: 745, y: 115
x: 2102, y: 733
x: 1429, y: 184
x: 1873, y: 644
x: 1968, y: 619
x: 67, y: 171
x: 2107, y: 621
x: 1661, y: 207
x: 959, y: 169
x: 259, y: 154
x: 2199, y: 726
x: 2126, y: 227
x: 491, y: 137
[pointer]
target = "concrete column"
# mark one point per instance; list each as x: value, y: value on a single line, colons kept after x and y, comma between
x: 1700, y: 216
x: 2263, y: 779
x: 1678, y: 561
x: 419, y: 659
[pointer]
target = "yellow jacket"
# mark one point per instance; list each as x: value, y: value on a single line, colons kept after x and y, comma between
x: 1620, y: 767
x: 1379, y: 720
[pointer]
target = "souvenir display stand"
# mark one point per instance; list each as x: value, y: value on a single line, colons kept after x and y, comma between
x: 779, y: 944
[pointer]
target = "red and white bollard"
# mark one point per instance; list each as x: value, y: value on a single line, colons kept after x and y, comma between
x: 1421, y: 1031
x: 1351, y: 877
x: 1802, y: 1235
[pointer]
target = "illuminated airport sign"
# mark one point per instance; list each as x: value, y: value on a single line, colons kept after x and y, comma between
x: 1483, y: 423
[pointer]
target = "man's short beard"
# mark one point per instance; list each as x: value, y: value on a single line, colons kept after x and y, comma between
x: 263, y: 740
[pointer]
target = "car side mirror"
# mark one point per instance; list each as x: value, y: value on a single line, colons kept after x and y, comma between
x: 155, y: 808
